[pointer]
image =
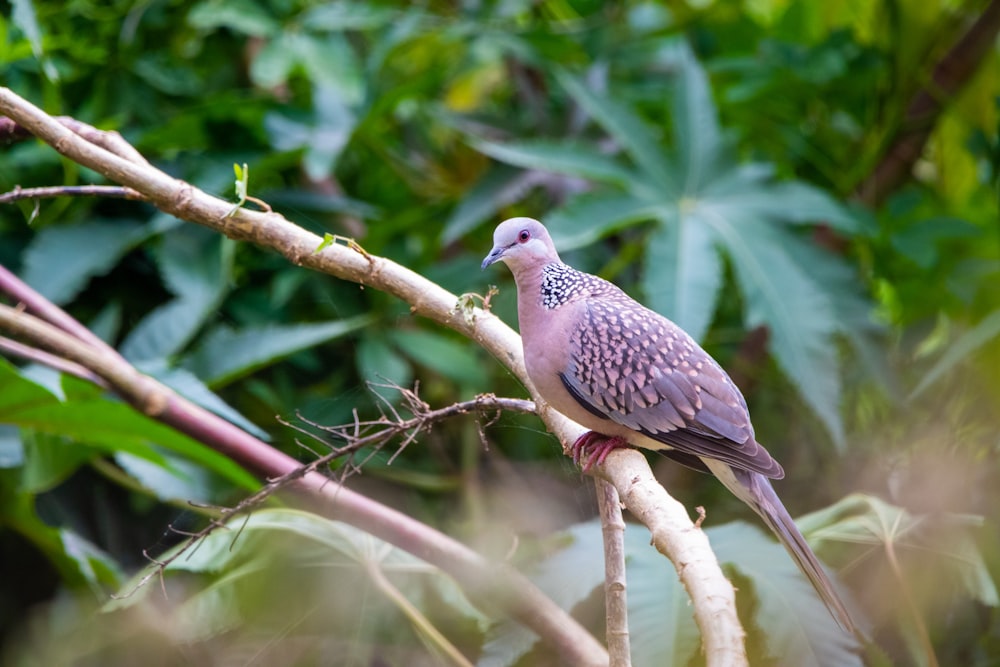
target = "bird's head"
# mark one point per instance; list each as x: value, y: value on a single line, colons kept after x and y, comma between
x: 520, y: 243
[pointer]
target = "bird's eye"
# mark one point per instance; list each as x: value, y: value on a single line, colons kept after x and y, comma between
x: 523, y: 236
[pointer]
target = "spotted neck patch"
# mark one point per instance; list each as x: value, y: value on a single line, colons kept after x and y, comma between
x: 561, y: 284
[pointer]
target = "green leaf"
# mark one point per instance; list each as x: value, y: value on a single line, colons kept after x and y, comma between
x: 166, y: 330
x: 96, y: 566
x: 798, y: 314
x: 193, y: 261
x: 115, y: 427
x: 241, y: 16
x: 24, y: 18
x: 323, y: 138
x: 348, y: 16
x: 452, y: 358
x: 196, y: 266
x: 501, y: 186
x: 945, y: 540
x: 682, y: 272
x: 273, y: 64
x: 663, y: 631
x: 593, y: 215
x: 64, y: 550
x: 963, y: 347
x: 573, y: 159
x: 175, y: 479
x: 247, y: 560
x: 567, y: 577
x: 227, y: 355
x: 167, y: 74
x: 971, y: 568
x: 105, y: 324
x: 334, y: 66
x: 192, y: 388
x: 46, y: 377
x: 696, y: 126
x: 18, y: 393
x: 799, y: 629
x: 787, y: 201
x: 11, y: 447
x: 661, y: 624
x: 62, y: 259
x: 379, y: 362
x: 628, y: 129
x: 49, y: 460
x: 924, y: 241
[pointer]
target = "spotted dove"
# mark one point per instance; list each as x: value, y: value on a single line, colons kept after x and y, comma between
x: 634, y: 377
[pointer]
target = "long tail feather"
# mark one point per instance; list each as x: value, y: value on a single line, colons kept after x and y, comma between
x: 756, y: 491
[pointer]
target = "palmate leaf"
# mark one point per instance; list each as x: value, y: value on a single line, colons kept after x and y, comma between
x: 705, y: 206
x: 661, y: 624
x: 635, y: 136
x: 798, y: 627
x: 501, y: 186
x: 660, y: 618
x: 592, y: 215
x: 682, y: 270
x: 274, y: 552
x: 944, y: 539
x: 559, y: 157
x: 798, y: 314
x: 697, y: 135
x: 787, y: 201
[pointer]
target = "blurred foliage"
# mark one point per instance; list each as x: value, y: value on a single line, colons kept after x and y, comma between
x: 704, y: 155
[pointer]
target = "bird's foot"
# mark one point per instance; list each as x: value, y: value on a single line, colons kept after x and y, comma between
x: 592, y: 448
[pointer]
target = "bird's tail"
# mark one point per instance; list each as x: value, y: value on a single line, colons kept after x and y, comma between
x: 756, y: 491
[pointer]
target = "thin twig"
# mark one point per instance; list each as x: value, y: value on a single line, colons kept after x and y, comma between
x: 53, y: 191
x: 16, y: 349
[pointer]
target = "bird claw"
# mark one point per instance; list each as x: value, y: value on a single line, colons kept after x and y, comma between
x: 592, y: 448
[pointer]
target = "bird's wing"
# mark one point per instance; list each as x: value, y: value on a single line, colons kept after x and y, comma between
x: 637, y: 368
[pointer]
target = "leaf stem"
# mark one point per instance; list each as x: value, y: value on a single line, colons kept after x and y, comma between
x: 420, y: 622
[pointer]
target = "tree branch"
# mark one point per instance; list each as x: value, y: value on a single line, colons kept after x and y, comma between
x: 15, y: 349
x: 950, y: 74
x: 673, y: 532
x: 615, y: 586
x: 489, y: 584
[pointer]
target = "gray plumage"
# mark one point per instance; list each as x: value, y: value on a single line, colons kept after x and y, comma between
x: 629, y: 374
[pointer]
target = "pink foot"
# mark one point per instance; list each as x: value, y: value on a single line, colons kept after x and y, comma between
x: 592, y: 448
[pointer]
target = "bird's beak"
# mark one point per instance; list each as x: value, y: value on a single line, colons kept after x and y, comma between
x: 494, y: 256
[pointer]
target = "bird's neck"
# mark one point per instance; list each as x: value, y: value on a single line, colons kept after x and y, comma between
x: 559, y: 284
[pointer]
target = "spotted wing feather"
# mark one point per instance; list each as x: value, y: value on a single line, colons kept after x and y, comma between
x: 636, y: 368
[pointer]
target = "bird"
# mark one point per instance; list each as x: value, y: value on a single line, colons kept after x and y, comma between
x: 633, y: 377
